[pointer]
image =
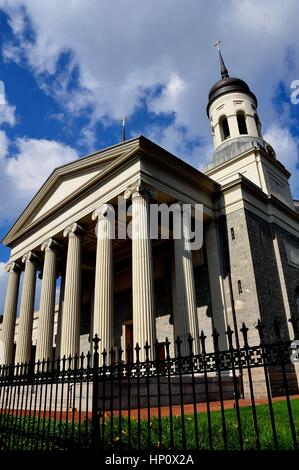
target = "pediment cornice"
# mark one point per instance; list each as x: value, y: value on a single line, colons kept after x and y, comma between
x: 107, y: 162
x: 103, y: 161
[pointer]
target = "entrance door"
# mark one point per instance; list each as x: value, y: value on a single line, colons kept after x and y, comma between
x: 128, y: 327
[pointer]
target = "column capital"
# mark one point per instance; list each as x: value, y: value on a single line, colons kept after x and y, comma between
x: 73, y: 230
x: 50, y: 244
x: 30, y: 257
x: 103, y: 212
x: 139, y: 188
x: 12, y: 266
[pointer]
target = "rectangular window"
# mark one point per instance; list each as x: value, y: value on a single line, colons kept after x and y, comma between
x: 240, y: 289
x: 232, y: 233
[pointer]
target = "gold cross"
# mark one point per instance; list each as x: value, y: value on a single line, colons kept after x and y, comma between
x: 217, y: 44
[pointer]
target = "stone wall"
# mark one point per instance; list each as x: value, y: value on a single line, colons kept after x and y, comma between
x: 266, y: 274
x: 290, y: 270
x: 240, y: 264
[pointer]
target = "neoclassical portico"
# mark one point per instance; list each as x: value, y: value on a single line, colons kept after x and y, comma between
x: 77, y: 238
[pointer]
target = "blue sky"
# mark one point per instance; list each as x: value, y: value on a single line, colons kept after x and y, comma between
x: 69, y: 69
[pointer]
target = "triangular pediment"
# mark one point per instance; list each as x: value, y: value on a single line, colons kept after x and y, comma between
x: 66, y: 182
x: 64, y: 189
x: 75, y: 180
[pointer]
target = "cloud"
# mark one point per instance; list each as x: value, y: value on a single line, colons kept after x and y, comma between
x: 100, y: 62
x: 34, y: 161
x: 25, y: 171
x: 25, y: 163
x: 115, y: 59
x: 7, y: 111
x: 286, y: 147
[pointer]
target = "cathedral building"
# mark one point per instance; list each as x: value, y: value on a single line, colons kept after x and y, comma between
x: 141, y: 289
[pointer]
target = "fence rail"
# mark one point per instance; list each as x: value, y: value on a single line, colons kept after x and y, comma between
x: 241, y: 398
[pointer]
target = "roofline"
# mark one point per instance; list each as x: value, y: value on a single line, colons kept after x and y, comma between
x: 275, y: 162
x: 146, y: 146
x: 253, y: 188
x: 61, y: 167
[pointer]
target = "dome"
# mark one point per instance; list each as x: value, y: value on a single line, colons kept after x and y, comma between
x: 228, y: 84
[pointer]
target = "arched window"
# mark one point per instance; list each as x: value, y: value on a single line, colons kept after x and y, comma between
x: 242, y: 123
x: 224, y: 128
x: 258, y: 125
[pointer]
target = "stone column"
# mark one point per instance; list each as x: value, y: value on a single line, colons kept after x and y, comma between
x: 70, y: 331
x: 144, y: 328
x: 217, y: 287
x: 44, y: 347
x: 59, y: 319
x: 10, y: 312
x: 185, y: 313
x: 103, y: 293
x: 24, y: 338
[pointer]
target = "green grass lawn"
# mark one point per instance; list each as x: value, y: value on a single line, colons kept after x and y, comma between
x: 28, y: 433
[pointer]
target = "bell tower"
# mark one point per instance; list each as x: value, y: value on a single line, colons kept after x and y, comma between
x: 239, y: 147
x: 232, y: 109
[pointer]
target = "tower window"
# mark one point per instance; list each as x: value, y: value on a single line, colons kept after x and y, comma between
x: 224, y: 128
x: 258, y: 125
x: 232, y: 233
x: 240, y: 288
x: 242, y: 123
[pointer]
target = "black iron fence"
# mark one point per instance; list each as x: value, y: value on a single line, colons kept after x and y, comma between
x: 241, y: 398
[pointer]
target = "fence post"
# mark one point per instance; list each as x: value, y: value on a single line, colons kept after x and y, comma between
x: 95, y: 423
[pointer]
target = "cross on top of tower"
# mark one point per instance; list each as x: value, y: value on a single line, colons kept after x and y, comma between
x: 217, y: 44
x: 223, y: 69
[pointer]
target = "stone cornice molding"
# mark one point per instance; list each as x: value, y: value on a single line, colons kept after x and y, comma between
x: 139, y: 188
x: 74, y: 230
x: 14, y: 266
x: 109, y: 158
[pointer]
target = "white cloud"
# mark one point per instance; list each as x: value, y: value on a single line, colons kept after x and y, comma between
x: 286, y: 147
x: 34, y: 161
x: 168, y: 101
x: 160, y: 53
x: 25, y: 170
x: 7, y: 111
x: 22, y: 174
x: 124, y: 54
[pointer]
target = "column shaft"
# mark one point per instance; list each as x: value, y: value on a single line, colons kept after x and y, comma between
x: 185, y: 314
x: 10, y: 313
x: 103, y: 294
x: 59, y: 319
x: 44, y: 347
x: 217, y: 288
x: 70, y: 333
x: 24, y: 338
x: 143, y: 282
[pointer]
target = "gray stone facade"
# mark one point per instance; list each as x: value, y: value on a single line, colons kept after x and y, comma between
x: 291, y: 272
x: 266, y: 274
x: 240, y: 265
